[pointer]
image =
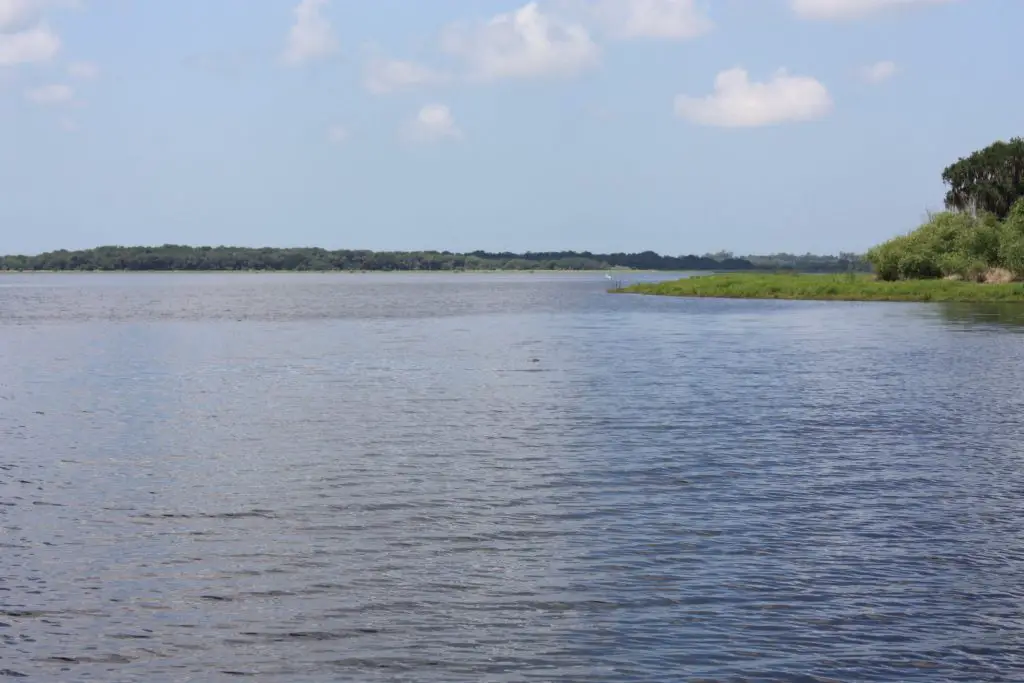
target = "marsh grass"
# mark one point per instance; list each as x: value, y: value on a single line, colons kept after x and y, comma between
x: 845, y: 287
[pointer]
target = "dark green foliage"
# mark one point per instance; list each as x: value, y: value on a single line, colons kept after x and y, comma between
x: 958, y: 245
x: 990, y: 180
x: 177, y: 257
x: 981, y: 238
x: 1011, y: 243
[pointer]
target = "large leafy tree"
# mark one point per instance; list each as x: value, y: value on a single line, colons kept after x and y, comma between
x: 989, y: 180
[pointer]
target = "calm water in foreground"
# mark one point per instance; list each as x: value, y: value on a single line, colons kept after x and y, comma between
x: 503, y: 478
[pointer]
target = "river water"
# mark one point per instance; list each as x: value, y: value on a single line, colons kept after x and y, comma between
x: 502, y: 478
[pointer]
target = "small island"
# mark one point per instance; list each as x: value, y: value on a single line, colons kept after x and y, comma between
x: 972, y: 252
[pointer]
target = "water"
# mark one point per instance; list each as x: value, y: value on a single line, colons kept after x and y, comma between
x: 502, y: 478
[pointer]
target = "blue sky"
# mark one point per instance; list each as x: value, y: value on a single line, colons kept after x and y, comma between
x: 683, y: 126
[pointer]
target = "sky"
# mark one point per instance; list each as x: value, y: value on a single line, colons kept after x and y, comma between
x: 681, y: 126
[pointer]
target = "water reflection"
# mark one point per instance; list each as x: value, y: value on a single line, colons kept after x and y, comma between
x: 1009, y: 316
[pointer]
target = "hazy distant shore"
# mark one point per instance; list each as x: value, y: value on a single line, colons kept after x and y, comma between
x: 175, y: 258
x: 493, y: 271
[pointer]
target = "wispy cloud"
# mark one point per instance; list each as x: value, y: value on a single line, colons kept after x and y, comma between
x: 54, y: 94
x: 878, y: 72
x: 526, y: 43
x: 391, y: 75
x: 311, y: 37
x: 337, y: 134
x: 86, y: 71
x: 433, y: 123
x: 842, y: 10
x: 658, y: 19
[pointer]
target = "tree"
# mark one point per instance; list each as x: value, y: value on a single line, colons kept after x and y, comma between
x: 989, y: 180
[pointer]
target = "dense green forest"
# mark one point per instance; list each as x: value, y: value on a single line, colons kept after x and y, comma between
x: 979, y: 237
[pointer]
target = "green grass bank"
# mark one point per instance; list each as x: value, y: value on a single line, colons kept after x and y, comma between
x: 830, y: 288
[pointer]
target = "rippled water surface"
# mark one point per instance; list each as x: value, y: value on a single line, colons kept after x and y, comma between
x: 502, y: 478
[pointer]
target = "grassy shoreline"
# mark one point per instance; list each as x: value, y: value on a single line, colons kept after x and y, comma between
x: 829, y: 288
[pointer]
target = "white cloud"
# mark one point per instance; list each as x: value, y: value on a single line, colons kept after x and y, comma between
x: 389, y: 75
x: 337, y: 134
x: 15, y: 14
x: 69, y: 125
x: 85, y: 71
x: 878, y: 72
x: 839, y: 10
x: 36, y: 44
x: 526, y: 43
x: 667, y: 19
x: 434, y: 122
x: 311, y: 36
x: 737, y: 102
x: 55, y: 94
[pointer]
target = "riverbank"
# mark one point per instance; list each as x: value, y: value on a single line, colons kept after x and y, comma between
x: 828, y: 288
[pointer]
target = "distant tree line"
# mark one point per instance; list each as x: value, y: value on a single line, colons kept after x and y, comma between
x: 178, y: 257
x: 804, y: 263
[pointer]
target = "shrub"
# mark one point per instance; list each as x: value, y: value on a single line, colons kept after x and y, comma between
x: 918, y: 265
x: 1011, y: 241
x: 1011, y: 252
x: 951, y: 245
x: 962, y: 265
x: 885, y: 258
